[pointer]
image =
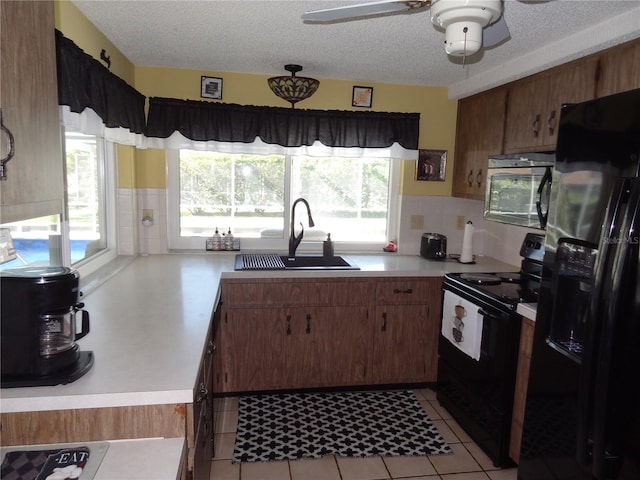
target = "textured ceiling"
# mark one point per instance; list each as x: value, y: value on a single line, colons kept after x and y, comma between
x: 262, y: 36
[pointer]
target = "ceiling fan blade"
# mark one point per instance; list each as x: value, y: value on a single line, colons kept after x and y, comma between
x: 362, y: 10
x: 495, y: 33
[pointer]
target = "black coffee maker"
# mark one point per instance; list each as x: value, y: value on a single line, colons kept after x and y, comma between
x: 39, y: 306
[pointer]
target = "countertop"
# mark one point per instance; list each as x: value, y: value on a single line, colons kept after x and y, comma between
x: 143, y: 459
x: 149, y: 323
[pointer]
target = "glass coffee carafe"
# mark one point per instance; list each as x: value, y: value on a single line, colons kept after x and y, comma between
x: 58, y: 330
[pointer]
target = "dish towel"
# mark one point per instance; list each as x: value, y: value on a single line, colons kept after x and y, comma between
x: 462, y: 324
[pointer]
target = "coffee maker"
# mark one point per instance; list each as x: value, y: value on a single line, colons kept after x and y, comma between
x: 39, y: 306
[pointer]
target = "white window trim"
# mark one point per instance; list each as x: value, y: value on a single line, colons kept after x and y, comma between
x: 175, y: 242
x: 110, y: 253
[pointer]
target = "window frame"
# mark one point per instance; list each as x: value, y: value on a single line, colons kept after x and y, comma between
x: 176, y: 242
x: 91, y: 264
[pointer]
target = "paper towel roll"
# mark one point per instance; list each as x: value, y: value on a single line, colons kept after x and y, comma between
x: 466, y: 255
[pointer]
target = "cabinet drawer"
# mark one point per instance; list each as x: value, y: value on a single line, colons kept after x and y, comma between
x: 252, y: 294
x: 402, y: 292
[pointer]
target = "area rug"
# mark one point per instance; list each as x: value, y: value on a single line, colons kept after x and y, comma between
x: 348, y: 424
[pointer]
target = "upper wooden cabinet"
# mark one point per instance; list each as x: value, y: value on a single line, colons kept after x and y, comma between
x: 479, y: 134
x: 29, y: 102
x: 619, y: 69
x: 533, y: 107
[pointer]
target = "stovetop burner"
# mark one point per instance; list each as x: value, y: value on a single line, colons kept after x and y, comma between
x: 510, y: 277
x: 481, y: 278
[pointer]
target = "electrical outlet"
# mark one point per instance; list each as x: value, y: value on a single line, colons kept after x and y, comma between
x: 417, y: 222
x: 460, y: 222
x: 147, y: 212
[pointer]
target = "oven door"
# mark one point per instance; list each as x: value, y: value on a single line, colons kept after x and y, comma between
x: 479, y: 392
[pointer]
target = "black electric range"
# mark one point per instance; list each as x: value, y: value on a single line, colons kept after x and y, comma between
x: 478, y: 348
x: 505, y: 290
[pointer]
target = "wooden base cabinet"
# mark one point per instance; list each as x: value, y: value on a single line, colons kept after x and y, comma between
x: 405, y: 344
x: 306, y: 333
x: 294, y: 334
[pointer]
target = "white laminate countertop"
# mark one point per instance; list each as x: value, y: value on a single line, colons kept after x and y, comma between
x: 528, y: 310
x: 140, y: 459
x: 149, y: 324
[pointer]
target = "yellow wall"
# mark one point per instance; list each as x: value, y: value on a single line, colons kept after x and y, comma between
x: 147, y: 169
x: 75, y: 26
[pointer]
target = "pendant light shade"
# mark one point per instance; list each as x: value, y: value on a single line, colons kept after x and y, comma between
x: 293, y: 89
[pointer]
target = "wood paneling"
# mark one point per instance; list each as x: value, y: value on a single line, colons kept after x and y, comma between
x: 522, y: 379
x: 92, y: 424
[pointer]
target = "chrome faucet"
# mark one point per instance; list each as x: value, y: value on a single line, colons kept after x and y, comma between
x: 294, y: 240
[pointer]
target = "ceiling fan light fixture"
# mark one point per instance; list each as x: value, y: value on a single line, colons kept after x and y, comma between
x: 291, y: 88
x: 463, y: 21
x: 463, y: 38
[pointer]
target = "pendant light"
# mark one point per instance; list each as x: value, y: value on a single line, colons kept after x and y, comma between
x: 293, y: 89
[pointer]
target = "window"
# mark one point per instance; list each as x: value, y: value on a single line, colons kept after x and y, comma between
x: 84, y: 239
x: 86, y: 201
x: 252, y: 194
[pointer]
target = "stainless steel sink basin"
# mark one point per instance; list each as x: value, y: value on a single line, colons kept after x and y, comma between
x: 272, y: 261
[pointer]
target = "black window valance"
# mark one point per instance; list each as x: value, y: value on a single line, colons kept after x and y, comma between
x: 83, y: 82
x: 207, y: 121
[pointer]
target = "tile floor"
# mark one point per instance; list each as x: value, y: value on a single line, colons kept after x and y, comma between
x: 468, y: 462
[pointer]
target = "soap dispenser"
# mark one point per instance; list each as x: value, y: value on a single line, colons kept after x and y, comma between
x: 216, y: 240
x: 327, y: 246
x: 228, y: 240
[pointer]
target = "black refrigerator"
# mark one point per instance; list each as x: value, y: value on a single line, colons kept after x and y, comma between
x: 582, y: 415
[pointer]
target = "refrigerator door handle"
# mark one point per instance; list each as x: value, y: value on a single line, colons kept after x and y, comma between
x: 586, y: 392
x: 545, y: 182
x: 611, y: 403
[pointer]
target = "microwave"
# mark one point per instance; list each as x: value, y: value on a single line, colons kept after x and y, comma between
x: 518, y: 189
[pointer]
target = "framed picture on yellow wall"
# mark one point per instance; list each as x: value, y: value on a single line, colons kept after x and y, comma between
x: 362, y: 97
x: 431, y: 165
x: 211, y: 87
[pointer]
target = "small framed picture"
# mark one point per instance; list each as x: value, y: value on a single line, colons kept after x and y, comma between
x: 211, y: 87
x: 431, y: 165
x: 362, y: 97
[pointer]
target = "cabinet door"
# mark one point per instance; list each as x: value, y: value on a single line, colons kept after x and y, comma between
x: 400, y: 349
x: 573, y: 83
x: 29, y: 101
x: 619, y: 69
x: 406, y: 329
x: 329, y: 346
x: 252, y: 348
x: 533, y: 110
x: 479, y: 133
x: 526, y: 113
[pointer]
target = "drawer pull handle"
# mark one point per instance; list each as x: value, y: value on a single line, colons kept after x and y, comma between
x: 308, y: 329
x: 470, y: 178
x: 211, y: 348
x: 288, y: 324
x: 408, y: 290
x: 479, y: 178
x: 384, y: 321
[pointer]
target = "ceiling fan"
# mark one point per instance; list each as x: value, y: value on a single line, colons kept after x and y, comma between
x: 468, y: 24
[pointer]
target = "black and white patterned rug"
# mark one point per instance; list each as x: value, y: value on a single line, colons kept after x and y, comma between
x: 349, y: 424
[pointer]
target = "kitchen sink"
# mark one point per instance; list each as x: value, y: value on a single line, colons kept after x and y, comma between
x: 272, y: 261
